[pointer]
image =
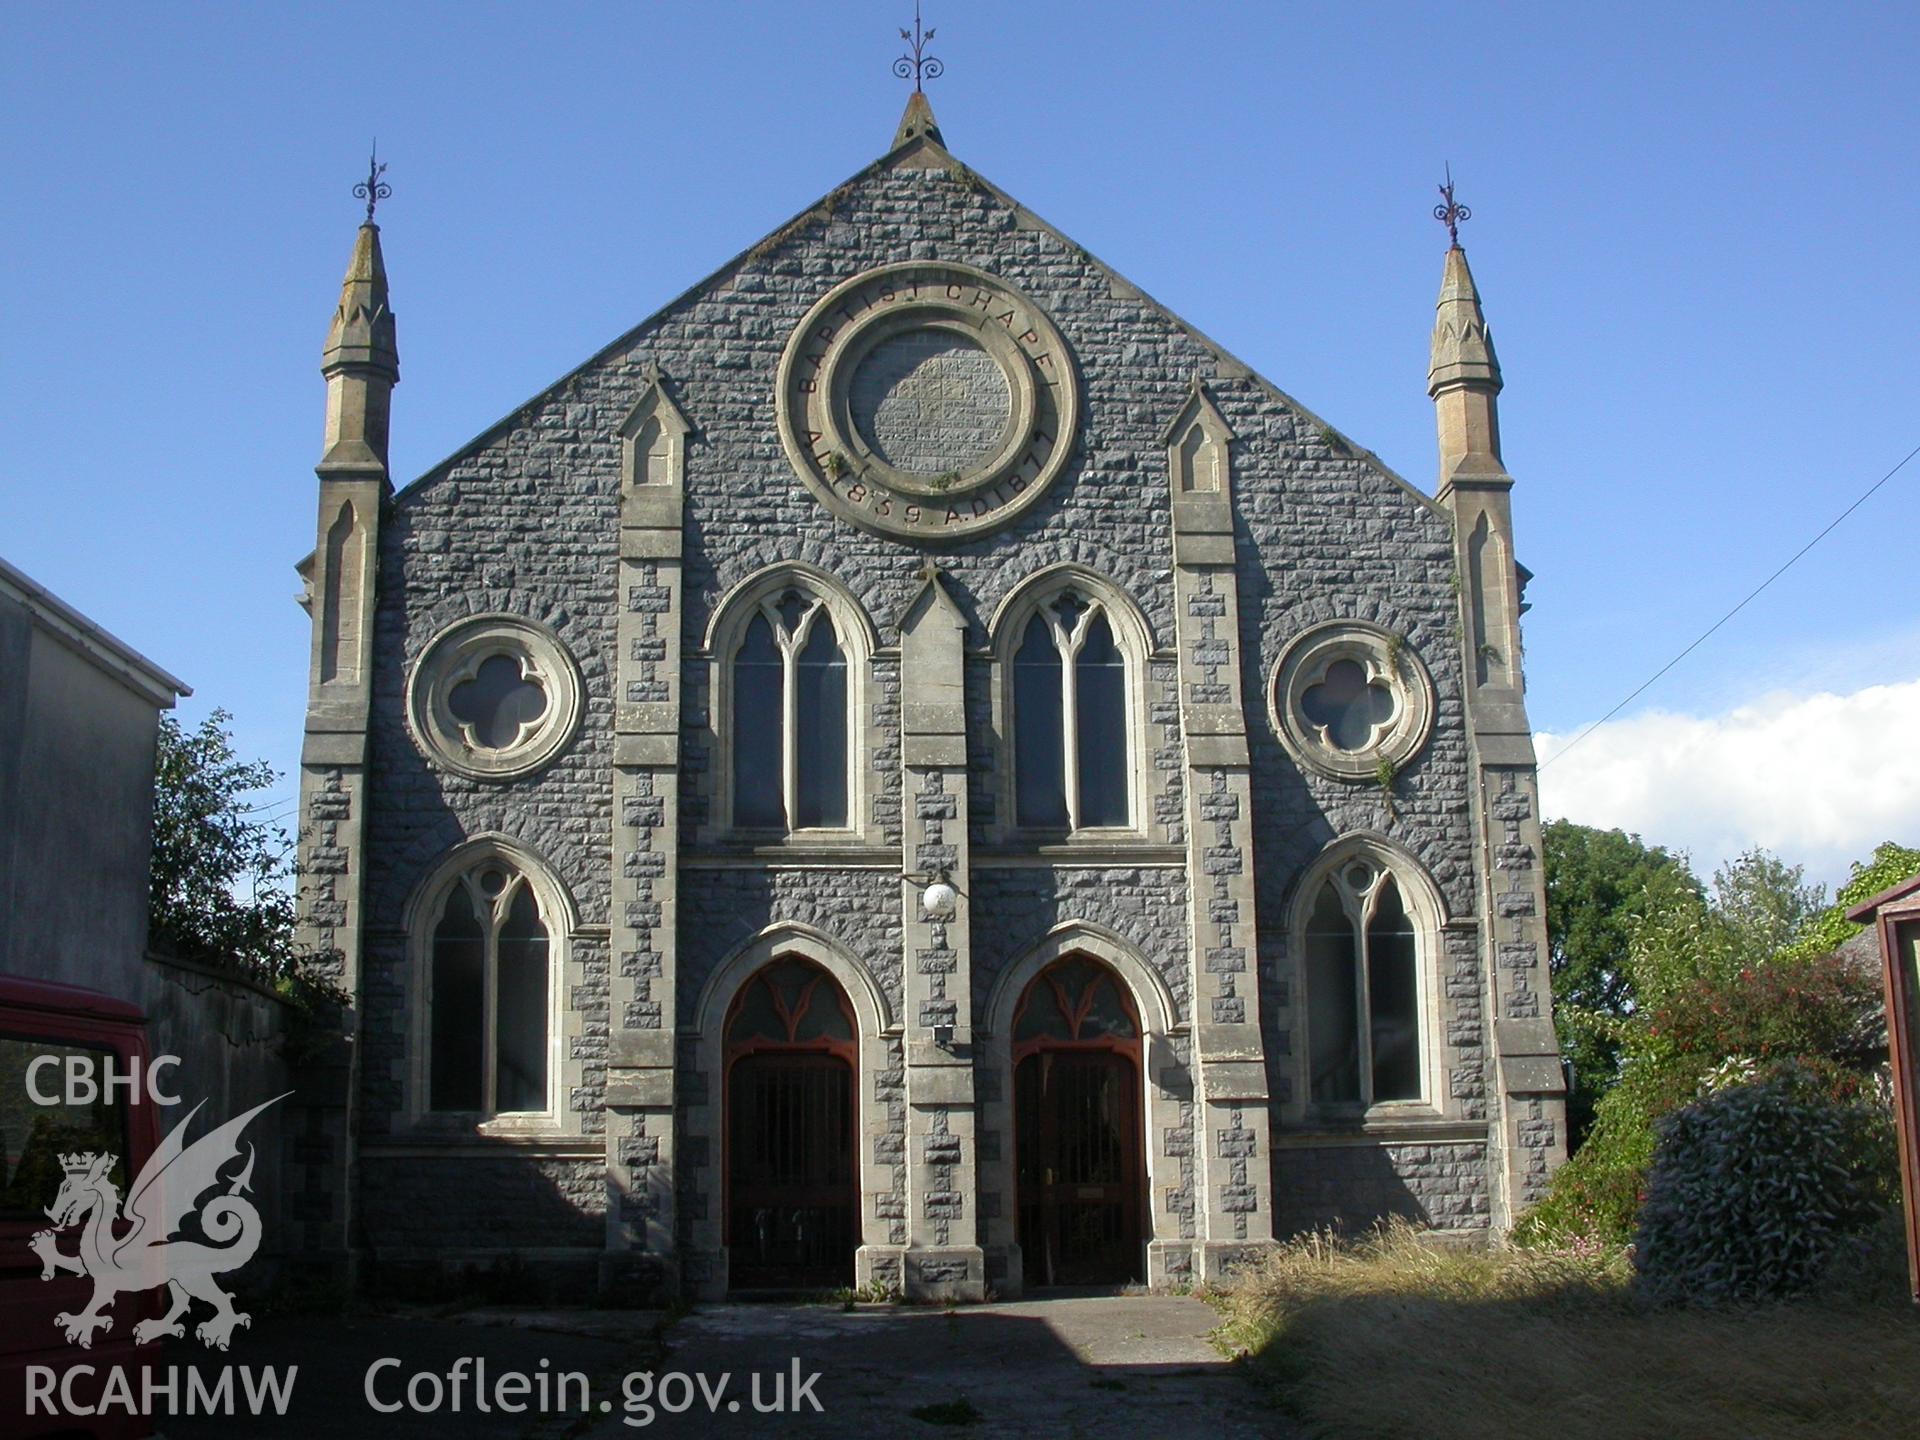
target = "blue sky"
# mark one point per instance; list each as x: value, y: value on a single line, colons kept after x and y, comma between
x: 1694, y: 229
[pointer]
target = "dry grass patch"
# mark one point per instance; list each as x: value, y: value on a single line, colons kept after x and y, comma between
x: 1396, y: 1335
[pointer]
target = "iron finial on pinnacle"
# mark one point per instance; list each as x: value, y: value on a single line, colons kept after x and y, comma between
x: 373, y: 189
x: 918, y: 66
x: 1451, y: 213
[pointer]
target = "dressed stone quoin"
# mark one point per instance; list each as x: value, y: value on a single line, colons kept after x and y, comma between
x: 913, y: 768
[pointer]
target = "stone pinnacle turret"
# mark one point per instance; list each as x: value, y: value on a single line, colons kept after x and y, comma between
x: 361, y: 363
x: 1528, y: 1103
x: 1464, y: 376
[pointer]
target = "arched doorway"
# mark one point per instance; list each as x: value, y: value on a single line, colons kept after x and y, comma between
x: 792, y: 1192
x: 1077, y: 1147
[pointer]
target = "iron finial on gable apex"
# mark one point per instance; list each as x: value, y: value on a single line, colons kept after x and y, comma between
x: 1452, y: 212
x: 373, y: 189
x: 918, y: 66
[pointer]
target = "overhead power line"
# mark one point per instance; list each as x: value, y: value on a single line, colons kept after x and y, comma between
x: 1747, y: 600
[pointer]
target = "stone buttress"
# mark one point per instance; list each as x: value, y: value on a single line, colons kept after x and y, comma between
x: 943, y: 1259
x: 1229, y: 1061
x: 641, y: 1058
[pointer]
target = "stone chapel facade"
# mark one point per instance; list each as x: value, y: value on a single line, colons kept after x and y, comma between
x: 912, y: 767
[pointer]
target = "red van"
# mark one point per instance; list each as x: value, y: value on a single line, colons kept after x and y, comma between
x: 38, y: 1018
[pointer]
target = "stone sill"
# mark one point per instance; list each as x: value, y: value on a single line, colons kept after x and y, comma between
x: 558, y: 1147
x: 1408, y: 1131
x: 1102, y: 853
x: 851, y: 856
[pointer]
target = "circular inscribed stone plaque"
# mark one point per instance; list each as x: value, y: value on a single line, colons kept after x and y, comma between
x: 927, y: 401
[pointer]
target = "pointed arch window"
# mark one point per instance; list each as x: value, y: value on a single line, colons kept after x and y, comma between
x: 1364, y: 1012
x: 790, y: 699
x: 489, y: 1000
x: 1071, y: 762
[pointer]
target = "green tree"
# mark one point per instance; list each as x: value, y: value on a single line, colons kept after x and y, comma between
x: 1597, y: 885
x: 220, y: 890
x: 1765, y: 902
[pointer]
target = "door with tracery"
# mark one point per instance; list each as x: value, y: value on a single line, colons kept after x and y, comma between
x: 793, y: 1200
x: 1077, y: 1140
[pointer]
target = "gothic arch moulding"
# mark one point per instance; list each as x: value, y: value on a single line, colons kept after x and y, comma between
x: 1423, y: 893
x: 340, y: 638
x: 653, y: 438
x: 475, y: 850
x: 737, y: 605
x: 1070, y: 693
x: 703, y: 1116
x: 1030, y: 593
x: 1199, y: 447
x: 1365, y: 925
x: 1164, y: 1087
x: 1130, y: 572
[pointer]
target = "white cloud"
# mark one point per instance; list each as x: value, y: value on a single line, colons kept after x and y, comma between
x: 1818, y: 779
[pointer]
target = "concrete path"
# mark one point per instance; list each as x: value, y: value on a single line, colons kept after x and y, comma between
x: 1135, y: 1367
x: 1138, y: 1367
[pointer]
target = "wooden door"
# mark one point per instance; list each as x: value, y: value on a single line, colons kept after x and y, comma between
x: 793, y: 1197
x: 1079, y: 1169
x: 792, y: 1186
x: 1077, y: 1140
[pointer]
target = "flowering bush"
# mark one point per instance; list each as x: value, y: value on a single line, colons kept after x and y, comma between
x: 1820, y: 1006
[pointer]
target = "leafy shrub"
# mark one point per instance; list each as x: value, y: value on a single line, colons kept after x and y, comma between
x: 1596, y: 1194
x: 1830, y: 929
x: 1754, y: 1189
x: 1724, y: 1021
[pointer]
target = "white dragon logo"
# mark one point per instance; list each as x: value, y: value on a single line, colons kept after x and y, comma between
x: 145, y: 1256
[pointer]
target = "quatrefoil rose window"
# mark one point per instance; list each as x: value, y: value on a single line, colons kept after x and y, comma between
x: 497, y: 703
x: 494, y: 697
x: 1348, y: 706
x: 1348, y: 696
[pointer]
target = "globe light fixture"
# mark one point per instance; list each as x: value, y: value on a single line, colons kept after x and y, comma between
x: 940, y: 900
